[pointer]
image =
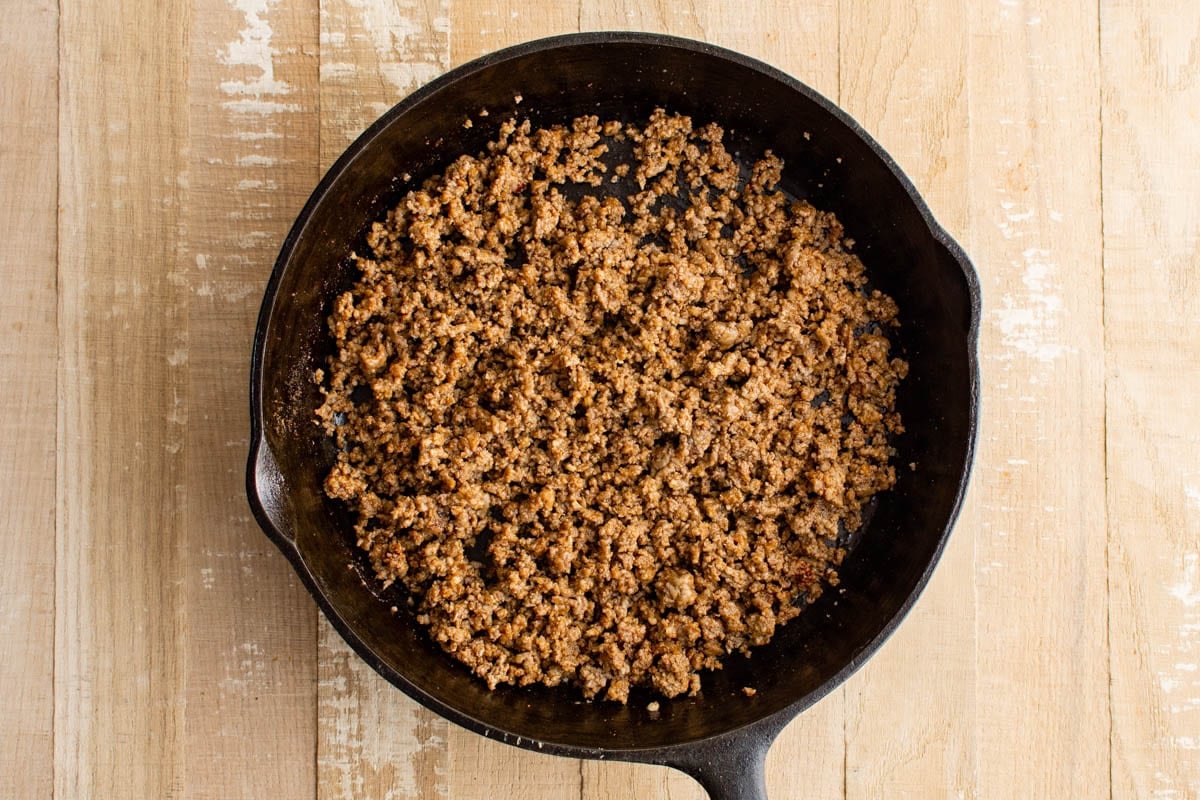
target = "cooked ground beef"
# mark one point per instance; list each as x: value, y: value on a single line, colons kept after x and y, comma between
x: 607, y: 438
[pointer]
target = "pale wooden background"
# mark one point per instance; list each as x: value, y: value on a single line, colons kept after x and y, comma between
x: 152, y: 156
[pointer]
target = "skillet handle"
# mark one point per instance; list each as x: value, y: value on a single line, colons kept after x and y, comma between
x: 267, y: 494
x: 730, y: 768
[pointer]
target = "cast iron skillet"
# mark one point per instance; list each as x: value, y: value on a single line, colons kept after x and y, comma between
x: 720, y: 737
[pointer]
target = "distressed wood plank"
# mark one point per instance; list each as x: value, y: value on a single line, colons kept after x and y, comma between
x: 1151, y: 59
x: 797, y: 40
x: 373, y: 54
x: 484, y: 769
x: 481, y: 26
x: 903, y: 76
x: 28, y: 349
x: 250, y: 729
x: 122, y: 408
x: 1042, y: 713
x: 373, y: 741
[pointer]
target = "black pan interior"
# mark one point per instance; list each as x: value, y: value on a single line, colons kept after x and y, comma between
x: 827, y: 161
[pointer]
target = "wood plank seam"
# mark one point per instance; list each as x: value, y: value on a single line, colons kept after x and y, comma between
x: 1108, y: 533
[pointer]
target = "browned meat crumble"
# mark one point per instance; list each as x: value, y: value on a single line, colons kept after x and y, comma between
x: 608, y: 440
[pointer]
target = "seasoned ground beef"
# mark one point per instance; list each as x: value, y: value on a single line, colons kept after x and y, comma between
x: 606, y: 422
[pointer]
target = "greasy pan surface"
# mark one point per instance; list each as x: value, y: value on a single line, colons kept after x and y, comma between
x: 831, y: 162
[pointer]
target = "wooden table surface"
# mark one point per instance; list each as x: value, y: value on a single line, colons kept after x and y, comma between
x: 153, y: 154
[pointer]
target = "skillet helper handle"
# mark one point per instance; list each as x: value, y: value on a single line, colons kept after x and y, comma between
x: 731, y: 768
x: 267, y: 494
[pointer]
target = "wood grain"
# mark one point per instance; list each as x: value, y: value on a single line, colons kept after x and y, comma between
x: 481, y: 26
x: 1041, y: 713
x: 249, y: 646
x: 122, y: 408
x: 372, y: 740
x: 28, y: 348
x: 1151, y: 94
x: 484, y: 769
x: 903, y: 77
